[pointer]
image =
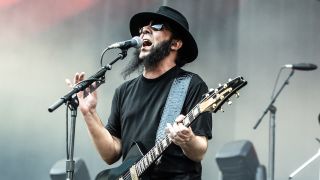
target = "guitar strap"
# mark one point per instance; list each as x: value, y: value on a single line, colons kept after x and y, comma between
x: 174, y: 103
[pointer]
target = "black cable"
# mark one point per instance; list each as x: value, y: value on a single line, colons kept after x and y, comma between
x: 275, y: 84
x: 101, y: 59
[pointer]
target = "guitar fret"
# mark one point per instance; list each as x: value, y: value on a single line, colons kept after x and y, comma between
x: 138, y: 169
x: 146, y: 161
x: 160, y: 147
x: 195, y: 111
x: 151, y: 155
x: 143, y: 167
x: 149, y: 158
x: 190, y: 116
x: 186, y: 121
x: 164, y: 143
x: 168, y: 141
x: 156, y: 151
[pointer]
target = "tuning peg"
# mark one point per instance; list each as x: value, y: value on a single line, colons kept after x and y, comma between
x: 237, y: 94
x: 221, y: 110
x: 216, y: 90
x: 229, y: 102
x: 222, y: 97
x: 214, y: 106
x: 211, y: 90
x: 219, y: 84
x: 229, y: 80
x: 225, y: 85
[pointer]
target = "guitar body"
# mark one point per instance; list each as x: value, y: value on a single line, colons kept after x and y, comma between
x: 135, y: 153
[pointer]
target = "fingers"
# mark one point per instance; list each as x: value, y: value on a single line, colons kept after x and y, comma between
x: 178, y: 133
x: 180, y: 118
x: 69, y: 83
x: 170, y: 131
x: 93, y: 88
x: 76, y: 79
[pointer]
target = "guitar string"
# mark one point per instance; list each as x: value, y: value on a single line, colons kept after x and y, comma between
x: 190, y: 116
x: 126, y: 176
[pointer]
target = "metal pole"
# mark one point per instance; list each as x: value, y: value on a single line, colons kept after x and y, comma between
x: 70, y: 163
x: 272, y: 135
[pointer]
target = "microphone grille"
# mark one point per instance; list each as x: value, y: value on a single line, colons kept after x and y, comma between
x: 138, y: 40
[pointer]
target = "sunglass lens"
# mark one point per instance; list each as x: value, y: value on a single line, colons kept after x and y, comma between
x: 157, y: 27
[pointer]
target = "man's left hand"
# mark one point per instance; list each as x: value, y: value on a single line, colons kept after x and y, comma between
x: 178, y: 133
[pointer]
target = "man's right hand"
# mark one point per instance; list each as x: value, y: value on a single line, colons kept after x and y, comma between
x: 108, y: 146
x: 87, y: 99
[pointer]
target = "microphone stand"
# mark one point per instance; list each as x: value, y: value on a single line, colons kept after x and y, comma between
x: 272, y: 126
x: 71, y: 100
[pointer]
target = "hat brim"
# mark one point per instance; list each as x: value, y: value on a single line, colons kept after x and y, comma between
x: 189, y: 49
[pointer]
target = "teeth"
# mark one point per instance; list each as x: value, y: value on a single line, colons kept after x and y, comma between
x: 147, y: 42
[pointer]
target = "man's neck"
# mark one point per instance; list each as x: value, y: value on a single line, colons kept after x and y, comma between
x: 164, y: 66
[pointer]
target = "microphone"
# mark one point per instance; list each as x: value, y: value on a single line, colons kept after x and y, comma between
x: 135, y: 42
x: 301, y: 66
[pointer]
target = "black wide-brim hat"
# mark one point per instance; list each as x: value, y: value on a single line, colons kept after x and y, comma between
x: 178, y: 24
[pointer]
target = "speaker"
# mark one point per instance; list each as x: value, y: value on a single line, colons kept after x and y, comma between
x: 58, y: 170
x: 238, y: 160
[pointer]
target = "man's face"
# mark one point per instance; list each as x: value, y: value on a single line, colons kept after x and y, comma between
x: 152, y: 35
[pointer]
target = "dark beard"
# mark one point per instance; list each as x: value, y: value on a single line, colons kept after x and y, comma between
x: 150, y: 62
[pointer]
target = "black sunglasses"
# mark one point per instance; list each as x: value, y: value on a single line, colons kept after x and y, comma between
x: 154, y: 27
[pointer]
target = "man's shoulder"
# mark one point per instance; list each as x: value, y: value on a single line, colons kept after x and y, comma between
x: 128, y: 83
x: 196, y: 79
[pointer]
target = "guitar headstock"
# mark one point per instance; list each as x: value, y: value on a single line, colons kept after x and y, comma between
x: 215, y: 98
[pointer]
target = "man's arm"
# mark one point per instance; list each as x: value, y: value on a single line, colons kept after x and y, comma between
x: 108, y: 146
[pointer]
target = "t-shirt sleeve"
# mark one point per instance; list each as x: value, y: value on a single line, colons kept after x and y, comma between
x: 114, y: 124
x: 203, y: 123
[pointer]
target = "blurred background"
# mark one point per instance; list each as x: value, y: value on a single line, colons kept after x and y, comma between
x: 43, y: 42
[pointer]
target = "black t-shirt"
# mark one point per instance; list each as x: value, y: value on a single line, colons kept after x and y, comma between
x: 136, y: 111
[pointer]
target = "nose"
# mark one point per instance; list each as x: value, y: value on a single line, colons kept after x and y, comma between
x: 145, y: 30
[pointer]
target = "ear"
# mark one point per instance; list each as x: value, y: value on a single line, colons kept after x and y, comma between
x: 176, y: 44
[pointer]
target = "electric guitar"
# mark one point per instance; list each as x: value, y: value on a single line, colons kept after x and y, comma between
x: 135, y: 164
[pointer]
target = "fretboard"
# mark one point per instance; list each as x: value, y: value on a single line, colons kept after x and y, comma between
x: 163, y: 144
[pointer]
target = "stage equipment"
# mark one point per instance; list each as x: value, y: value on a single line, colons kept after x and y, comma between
x: 314, y: 157
x: 58, y: 170
x: 71, y: 101
x: 272, y: 109
x: 305, y: 164
x: 238, y: 160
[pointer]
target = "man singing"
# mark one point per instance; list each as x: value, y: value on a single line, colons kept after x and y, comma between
x: 142, y: 105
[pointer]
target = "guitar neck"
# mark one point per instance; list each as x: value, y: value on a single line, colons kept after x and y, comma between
x: 163, y: 144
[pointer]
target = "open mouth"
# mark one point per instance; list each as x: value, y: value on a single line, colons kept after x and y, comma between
x: 146, y: 43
